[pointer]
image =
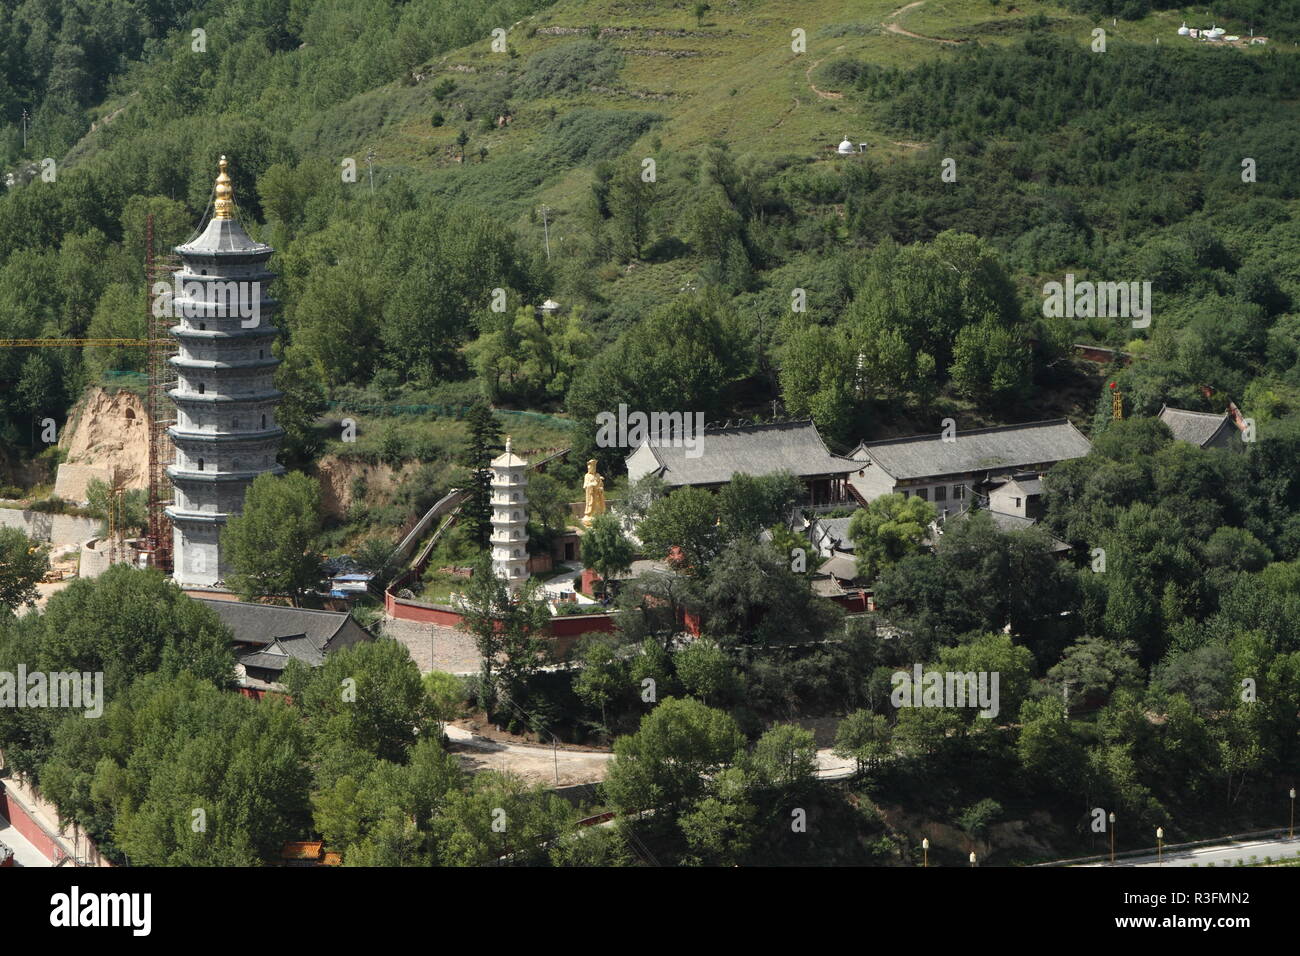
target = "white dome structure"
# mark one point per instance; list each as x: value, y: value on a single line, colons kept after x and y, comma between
x: 846, y: 148
x: 1183, y: 30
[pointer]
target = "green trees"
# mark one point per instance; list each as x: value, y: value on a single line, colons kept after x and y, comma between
x: 23, y: 562
x: 386, y: 815
x: 720, y: 828
x: 500, y: 820
x: 686, y: 520
x: 632, y: 202
x: 129, y: 623
x: 890, y: 528
x: 510, y: 634
x: 706, y: 672
x: 272, y: 545
x: 179, y: 773
x: 1094, y: 668
x: 753, y: 597
x: 747, y: 505
x: 814, y: 363
x: 530, y: 358
x: 368, y: 697
x: 604, y: 676
x: 482, y: 442
x: 605, y: 549
x: 664, y: 764
x: 685, y: 355
x: 865, y: 737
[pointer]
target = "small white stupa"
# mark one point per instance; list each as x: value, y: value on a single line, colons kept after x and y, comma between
x: 510, y: 518
x: 1184, y: 29
x: 847, y: 148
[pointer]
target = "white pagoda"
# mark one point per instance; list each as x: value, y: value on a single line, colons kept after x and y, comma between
x: 510, y: 518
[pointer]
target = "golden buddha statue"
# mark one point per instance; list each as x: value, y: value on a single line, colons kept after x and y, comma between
x: 593, y: 486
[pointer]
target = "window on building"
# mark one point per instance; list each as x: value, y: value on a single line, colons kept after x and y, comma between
x: 200, y: 464
x: 203, y: 326
x: 941, y: 493
x: 1017, y: 501
x: 958, y: 492
x: 906, y: 493
x: 263, y: 421
x: 923, y: 494
x: 202, y: 388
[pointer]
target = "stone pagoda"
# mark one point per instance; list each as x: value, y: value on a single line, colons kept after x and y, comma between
x: 225, y: 432
x: 510, y: 518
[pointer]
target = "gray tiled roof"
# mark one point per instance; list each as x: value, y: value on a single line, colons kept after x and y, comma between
x: 222, y: 235
x: 1027, y: 486
x: 756, y: 450
x: 837, y: 528
x: 839, y: 565
x: 276, y: 655
x: 263, y: 624
x: 1199, y: 428
x: 978, y: 449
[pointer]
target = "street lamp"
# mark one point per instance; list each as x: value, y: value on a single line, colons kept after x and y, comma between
x: 1112, y: 838
x: 1160, y: 846
x: 925, y: 847
x: 1290, y: 833
x: 972, y: 858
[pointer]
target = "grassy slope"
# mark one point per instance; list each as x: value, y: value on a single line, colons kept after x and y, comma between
x: 734, y: 80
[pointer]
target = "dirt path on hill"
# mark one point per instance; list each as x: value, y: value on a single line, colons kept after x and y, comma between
x: 892, y: 26
x: 824, y: 94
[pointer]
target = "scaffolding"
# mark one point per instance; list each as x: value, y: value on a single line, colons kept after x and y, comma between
x: 161, y: 346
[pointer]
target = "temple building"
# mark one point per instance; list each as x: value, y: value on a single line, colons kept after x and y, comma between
x: 509, y: 538
x: 226, y: 432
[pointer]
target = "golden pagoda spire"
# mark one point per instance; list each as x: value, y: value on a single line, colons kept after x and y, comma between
x: 225, y: 202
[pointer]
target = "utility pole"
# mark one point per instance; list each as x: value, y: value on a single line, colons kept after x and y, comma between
x: 370, y: 165
x: 24, y: 131
x: 546, y: 231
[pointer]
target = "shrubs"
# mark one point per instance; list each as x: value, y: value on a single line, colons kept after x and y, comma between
x: 569, y: 68
x: 589, y: 135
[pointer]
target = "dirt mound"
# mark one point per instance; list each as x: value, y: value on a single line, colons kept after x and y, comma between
x: 338, y: 479
x: 106, y: 431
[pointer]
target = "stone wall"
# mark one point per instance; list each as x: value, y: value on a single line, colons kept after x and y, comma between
x: 53, y: 529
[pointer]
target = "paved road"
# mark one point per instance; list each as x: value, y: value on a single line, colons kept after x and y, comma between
x: 537, y: 764
x: 831, y: 767
x: 543, y: 764
x: 24, y: 853
x: 1221, y: 855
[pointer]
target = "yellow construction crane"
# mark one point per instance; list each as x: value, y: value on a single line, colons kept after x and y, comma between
x: 77, y: 343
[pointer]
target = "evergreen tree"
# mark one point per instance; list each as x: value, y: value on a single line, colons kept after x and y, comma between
x: 484, y: 440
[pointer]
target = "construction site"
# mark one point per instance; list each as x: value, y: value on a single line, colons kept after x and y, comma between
x: 120, y: 440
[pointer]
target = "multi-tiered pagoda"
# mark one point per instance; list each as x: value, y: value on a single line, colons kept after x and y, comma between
x: 225, y: 432
x: 510, y: 518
